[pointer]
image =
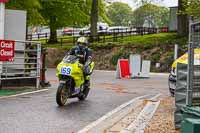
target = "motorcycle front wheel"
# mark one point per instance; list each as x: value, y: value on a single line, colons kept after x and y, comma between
x: 61, y: 95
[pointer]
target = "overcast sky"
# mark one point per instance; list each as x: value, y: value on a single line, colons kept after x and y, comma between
x: 166, y: 3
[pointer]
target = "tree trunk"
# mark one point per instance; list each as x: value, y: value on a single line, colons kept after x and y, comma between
x: 94, y: 20
x: 53, y: 32
x: 183, y: 21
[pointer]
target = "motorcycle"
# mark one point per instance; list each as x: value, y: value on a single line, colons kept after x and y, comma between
x: 72, y: 80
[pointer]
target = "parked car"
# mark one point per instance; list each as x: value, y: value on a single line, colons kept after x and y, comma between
x: 117, y: 29
x: 184, y: 60
x: 68, y: 31
x: 102, y: 26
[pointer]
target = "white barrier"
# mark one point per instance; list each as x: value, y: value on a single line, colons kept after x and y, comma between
x: 138, y: 70
x: 137, y: 67
x: 146, y: 65
x: 135, y: 64
x: 118, y: 71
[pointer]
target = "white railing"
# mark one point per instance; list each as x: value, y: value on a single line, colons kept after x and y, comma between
x: 26, y: 64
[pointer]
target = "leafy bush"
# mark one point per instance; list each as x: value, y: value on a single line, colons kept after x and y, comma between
x: 116, y: 57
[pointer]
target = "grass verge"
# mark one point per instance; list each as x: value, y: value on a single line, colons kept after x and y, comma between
x: 8, y: 92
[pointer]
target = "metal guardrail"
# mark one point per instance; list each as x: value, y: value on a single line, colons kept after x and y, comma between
x: 181, y: 90
x: 193, y: 80
x: 187, y: 92
x: 180, y: 93
x: 26, y: 64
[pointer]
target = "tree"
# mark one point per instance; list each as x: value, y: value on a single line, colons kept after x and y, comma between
x: 31, y: 6
x: 97, y: 12
x: 58, y: 13
x: 119, y: 13
x: 142, y: 2
x: 187, y: 8
x: 61, y: 13
x: 183, y: 22
x: 156, y: 16
x: 94, y: 19
x: 193, y: 8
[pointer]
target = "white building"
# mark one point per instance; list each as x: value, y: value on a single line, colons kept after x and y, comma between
x: 173, y: 19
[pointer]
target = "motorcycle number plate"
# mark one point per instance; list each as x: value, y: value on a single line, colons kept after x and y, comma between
x: 66, y: 70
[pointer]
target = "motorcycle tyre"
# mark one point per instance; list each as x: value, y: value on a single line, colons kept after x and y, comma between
x: 59, y: 94
x: 84, y: 95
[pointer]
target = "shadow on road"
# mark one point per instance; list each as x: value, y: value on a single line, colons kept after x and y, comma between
x: 75, y: 105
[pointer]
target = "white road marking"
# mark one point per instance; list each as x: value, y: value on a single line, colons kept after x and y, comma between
x: 25, y: 93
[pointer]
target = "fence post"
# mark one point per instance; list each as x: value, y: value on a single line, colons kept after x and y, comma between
x: 38, y: 65
x: 43, y: 82
x: 46, y: 36
x: 122, y: 36
x: 114, y: 36
x: 61, y: 41
x: 38, y: 36
x: 74, y: 40
x: 190, y: 69
x: 142, y: 31
x: 98, y: 37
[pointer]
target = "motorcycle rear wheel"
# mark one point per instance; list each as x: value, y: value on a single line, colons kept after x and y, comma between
x: 85, y: 94
x: 61, y: 97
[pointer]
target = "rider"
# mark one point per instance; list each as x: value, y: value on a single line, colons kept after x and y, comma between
x: 82, y: 51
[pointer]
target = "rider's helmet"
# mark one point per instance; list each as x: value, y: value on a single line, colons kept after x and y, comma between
x: 82, y: 41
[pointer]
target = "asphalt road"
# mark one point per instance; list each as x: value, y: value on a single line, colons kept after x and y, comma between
x: 39, y: 113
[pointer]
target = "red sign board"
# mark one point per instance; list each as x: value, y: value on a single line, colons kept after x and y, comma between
x: 4, y: 1
x: 124, y: 68
x: 7, y: 50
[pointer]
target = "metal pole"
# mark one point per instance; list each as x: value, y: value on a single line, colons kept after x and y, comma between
x: 38, y: 65
x: 175, y: 51
x: 190, y: 67
x: 2, y: 21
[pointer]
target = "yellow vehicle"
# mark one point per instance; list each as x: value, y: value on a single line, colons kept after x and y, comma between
x: 184, y: 60
x: 71, y: 79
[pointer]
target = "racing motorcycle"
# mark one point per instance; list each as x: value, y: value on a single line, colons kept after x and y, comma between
x: 72, y: 80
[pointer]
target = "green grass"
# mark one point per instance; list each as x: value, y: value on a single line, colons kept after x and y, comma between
x: 150, y: 39
x: 145, y: 41
x: 7, y: 92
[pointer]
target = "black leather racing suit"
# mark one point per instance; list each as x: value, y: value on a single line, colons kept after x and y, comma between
x: 85, y: 56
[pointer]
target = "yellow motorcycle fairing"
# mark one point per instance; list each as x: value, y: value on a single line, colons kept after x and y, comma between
x: 75, y: 72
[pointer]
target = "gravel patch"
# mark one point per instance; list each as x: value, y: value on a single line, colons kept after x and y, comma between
x: 126, y: 121
x: 163, y: 119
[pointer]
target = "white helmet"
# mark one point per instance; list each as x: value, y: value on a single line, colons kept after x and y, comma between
x: 82, y: 40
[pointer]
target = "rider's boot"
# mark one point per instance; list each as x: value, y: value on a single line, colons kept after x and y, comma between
x: 87, y: 83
